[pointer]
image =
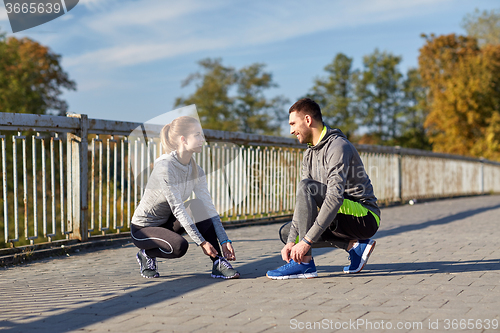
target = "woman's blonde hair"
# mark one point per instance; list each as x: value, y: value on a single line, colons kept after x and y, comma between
x: 170, y: 134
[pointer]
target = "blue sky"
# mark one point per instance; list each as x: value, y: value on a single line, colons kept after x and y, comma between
x: 128, y: 58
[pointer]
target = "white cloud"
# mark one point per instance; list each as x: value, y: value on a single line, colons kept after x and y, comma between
x: 139, y: 53
x: 115, y: 20
x: 145, y: 31
x: 147, y: 14
x: 96, y: 4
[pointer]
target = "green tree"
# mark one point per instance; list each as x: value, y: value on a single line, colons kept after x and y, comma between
x: 379, y: 91
x: 413, y: 133
x: 31, y: 78
x: 335, y: 94
x: 215, y: 106
x: 31, y: 81
x: 484, y: 26
x: 234, y: 100
x: 256, y: 113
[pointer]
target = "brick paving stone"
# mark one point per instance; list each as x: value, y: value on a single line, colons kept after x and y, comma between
x: 427, y: 266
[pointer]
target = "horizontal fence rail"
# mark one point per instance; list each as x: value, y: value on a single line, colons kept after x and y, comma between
x: 74, y: 177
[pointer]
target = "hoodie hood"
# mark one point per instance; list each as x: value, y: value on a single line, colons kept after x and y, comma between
x: 162, y: 158
x: 331, y: 133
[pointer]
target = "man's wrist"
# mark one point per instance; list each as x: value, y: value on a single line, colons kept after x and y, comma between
x: 307, y: 241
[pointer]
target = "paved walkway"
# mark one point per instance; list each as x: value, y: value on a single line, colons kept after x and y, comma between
x: 436, y: 265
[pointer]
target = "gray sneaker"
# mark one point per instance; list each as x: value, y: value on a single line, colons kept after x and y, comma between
x: 222, y: 269
x: 149, y: 269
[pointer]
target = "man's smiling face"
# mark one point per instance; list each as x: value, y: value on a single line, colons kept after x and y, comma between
x: 299, y: 128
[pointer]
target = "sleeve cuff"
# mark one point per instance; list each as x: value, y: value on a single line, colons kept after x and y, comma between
x: 201, y: 240
x: 314, y: 233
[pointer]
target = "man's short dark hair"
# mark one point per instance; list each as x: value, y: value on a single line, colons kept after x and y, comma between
x: 309, y: 107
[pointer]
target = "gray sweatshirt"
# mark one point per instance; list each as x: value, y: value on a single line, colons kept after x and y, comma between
x: 334, y: 161
x: 169, y: 185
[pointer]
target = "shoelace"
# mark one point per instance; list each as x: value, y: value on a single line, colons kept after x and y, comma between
x: 224, y: 262
x: 288, y: 264
x: 349, y: 255
x: 151, y: 263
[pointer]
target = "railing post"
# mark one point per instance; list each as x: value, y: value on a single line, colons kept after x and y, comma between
x: 482, y: 176
x: 78, y: 178
x: 398, y: 186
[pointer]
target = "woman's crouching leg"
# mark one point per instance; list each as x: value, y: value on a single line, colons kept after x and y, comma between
x: 159, y: 242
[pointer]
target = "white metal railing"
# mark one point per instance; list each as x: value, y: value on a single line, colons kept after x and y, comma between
x: 91, y: 185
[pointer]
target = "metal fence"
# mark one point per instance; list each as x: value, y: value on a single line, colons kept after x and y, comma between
x: 74, y: 177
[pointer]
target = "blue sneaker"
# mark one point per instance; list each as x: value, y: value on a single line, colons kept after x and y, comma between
x: 292, y: 270
x: 359, y: 256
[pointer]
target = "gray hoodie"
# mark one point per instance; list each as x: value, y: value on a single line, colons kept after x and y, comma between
x: 169, y: 185
x: 334, y: 161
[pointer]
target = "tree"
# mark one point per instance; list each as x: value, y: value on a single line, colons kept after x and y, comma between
x: 335, y: 95
x: 215, y: 107
x: 247, y: 110
x: 463, y: 94
x: 413, y: 133
x: 256, y: 113
x: 379, y: 94
x: 484, y: 26
x: 31, y: 78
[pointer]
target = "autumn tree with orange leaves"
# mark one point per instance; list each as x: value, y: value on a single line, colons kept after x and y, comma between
x: 31, y: 78
x: 463, y: 95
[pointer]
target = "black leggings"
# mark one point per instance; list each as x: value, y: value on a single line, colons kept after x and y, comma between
x: 166, y: 241
x: 344, y: 228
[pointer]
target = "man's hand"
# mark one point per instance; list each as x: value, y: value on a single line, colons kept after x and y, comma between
x: 285, y: 252
x: 228, y: 251
x: 298, y: 251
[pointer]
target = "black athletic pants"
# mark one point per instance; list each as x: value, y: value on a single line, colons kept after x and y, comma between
x: 166, y: 241
x: 344, y: 228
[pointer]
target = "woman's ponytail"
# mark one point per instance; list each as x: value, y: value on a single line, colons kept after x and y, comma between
x: 165, y: 141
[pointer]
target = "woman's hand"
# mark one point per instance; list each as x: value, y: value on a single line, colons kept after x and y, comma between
x: 228, y: 251
x: 208, y: 249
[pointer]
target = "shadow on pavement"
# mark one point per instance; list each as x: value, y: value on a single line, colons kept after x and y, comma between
x: 412, y: 268
x: 443, y: 220
x: 160, y: 291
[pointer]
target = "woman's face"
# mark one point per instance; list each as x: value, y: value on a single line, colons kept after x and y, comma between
x: 195, y: 140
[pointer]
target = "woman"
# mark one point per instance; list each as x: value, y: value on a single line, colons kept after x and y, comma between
x: 162, y: 215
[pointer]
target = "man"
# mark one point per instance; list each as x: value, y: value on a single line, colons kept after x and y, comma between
x: 333, y: 179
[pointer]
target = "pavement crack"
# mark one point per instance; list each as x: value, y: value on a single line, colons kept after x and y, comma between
x: 267, y: 329
x: 445, y: 303
x: 404, y: 309
x: 236, y: 314
x: 299, y: 314
x: 349, y: 290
